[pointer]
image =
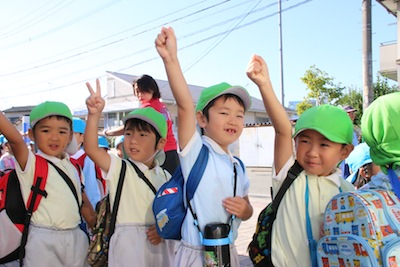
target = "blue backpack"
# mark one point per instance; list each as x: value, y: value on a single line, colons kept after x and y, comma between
x: 169, y: 204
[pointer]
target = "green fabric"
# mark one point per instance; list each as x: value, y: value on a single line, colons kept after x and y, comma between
x: 330, y: 121
x: 210, y: 93
x: 380, y: 126
x: 151, y: 116
x: 47, y: 109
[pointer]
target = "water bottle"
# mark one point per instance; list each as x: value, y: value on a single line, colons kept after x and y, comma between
x: 216, y: 245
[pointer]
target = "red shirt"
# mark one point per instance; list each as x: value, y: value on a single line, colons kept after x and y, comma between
x: 160, y: 107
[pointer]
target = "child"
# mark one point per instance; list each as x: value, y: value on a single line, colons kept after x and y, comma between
x: 7, y: 160
x: 381, y: 131
x: 118, y: 145
x: 135, y: 240
x: 220, y: 113
x: 145, y: 88
x: 323, y: 137
x: 54, y: 236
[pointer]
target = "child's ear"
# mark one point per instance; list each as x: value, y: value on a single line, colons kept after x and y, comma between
x: 201, y: 119
x: 346, y: 150
x: 161, y: 143
x: 31, y: 135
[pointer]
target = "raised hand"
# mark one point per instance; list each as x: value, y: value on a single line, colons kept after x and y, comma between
x: 166, y: 43
x: 95, y: 103
x: 257, y: 70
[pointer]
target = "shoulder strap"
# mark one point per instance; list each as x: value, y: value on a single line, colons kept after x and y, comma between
x: 196, y: 173
x: 144, y: 178
x: 117, y: 199
x: 294, y: 171
x: 68, y: 181
x: 241, y: 163
x: 37, y: 191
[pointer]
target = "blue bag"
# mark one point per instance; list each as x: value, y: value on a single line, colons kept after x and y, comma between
x: 169, y: 203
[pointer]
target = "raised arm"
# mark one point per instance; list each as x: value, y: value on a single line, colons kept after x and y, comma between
x: 95, y: 105
x: 257, y: 71
x: 167, y: 48
x: 18, y: 146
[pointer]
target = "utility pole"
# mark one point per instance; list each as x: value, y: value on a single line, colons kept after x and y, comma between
x: 368, y: 92
x: 281, y: 52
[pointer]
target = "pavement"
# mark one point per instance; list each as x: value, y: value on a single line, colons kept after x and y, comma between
x: 259, y: 196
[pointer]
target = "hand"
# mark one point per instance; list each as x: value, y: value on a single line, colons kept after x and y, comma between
x: 257, y: 70
x: 95, y: 103
x: 238, y: 206
x: 166, y: 43
x: 153, y: 236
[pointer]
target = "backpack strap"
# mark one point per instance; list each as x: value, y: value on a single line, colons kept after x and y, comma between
x: 241, y: 163
x: 117, y: 199
x: 196, y: 173
x: 292, y: 174
x: 144, y: 178
x: 37, y: 191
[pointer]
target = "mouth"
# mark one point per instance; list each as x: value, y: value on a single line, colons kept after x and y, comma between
x: 230, y: 131
x: 53, y: 147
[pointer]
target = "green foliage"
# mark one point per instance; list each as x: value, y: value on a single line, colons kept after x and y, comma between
x: 303, y: 106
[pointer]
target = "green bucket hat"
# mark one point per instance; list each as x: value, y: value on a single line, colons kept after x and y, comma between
x: 381, y: 130
x: 210, y: 93
x: 330, y: 121
x: 47, y: 109
x: 151, y: 116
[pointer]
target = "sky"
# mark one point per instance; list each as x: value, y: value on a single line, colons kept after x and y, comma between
x: 49, y: 48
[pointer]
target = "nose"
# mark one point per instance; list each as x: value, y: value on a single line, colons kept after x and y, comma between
x: 312, y: 151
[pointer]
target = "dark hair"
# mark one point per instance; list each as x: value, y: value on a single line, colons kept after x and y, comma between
x: 140, y: 125
x: 147, y: 84
x: 58, y: 118
x: 224, y: 97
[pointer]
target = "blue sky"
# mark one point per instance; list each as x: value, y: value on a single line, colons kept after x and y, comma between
x: 49, y: 49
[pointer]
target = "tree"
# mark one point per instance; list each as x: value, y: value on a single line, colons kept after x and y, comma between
x: 321, y: 88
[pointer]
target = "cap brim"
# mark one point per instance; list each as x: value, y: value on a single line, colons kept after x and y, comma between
x: 143, y: 118
x: 352, y: 177
x: 239, y: 92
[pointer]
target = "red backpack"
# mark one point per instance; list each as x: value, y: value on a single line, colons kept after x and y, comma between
x: 15, y: 216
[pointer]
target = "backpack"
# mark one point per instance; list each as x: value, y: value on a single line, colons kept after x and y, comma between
x: 260, y: 246
x: 14, y: 216
x: 361, y: 228
x: 105, y: 225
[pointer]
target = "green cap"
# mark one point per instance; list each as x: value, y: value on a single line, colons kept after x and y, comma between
x: 47, y: 109
x: 151, y: 116
x: 210, y: 93
x: 381, y: 130
x: 330, y: 121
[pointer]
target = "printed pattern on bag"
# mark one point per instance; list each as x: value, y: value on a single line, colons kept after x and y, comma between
x: 359, y: 226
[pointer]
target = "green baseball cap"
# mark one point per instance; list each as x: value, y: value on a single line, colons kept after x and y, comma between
x: 210, y: 93
x: 47, y: 109
x: 381, y: 130
x: 151, y: 116
x: 330, y: 121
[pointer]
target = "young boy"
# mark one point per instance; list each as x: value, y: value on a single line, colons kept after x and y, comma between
x: 323, y: 137
x: 135, y: 240
x: 54, y: 236
x: 220, y: 113
x: 381, y: 131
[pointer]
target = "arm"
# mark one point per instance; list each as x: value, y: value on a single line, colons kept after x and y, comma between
x: 115, y: 131
x: 167, y: 49
x: 18, y: 146
x: 257, y: 71
x: 95, y: 104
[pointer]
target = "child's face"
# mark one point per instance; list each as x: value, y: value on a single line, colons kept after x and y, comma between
x: 140, y: 145
x: 120, y: 153
x: 317, y: 155
x: 79, y: 137
x: 225, y: 123
x: 144, y: 97
x: 52, y: 136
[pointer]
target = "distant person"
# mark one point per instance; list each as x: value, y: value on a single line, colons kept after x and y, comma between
x: 145, y: 88
x: 320, y: 144
x: 220, y: 113
x: 381, y: 131
x: 7, y: 159
x: 351, y: 112
x: 119, y: 146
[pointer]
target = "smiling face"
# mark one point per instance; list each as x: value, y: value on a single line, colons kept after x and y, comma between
x: 52, y: 135
x: 317, y: 155
x: 225, y: 121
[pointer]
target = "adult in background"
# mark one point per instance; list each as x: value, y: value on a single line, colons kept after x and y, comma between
x: 145, y: 88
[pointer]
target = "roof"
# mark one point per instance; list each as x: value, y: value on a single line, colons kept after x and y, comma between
x: 20, y: 109
x: 257, y: 105
x: 390, y: 5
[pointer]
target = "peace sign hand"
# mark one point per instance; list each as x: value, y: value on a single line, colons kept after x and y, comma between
x: 95, y: 103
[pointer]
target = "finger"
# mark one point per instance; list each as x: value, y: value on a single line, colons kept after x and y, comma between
x: 98, y: 92
x: 90, y: 88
